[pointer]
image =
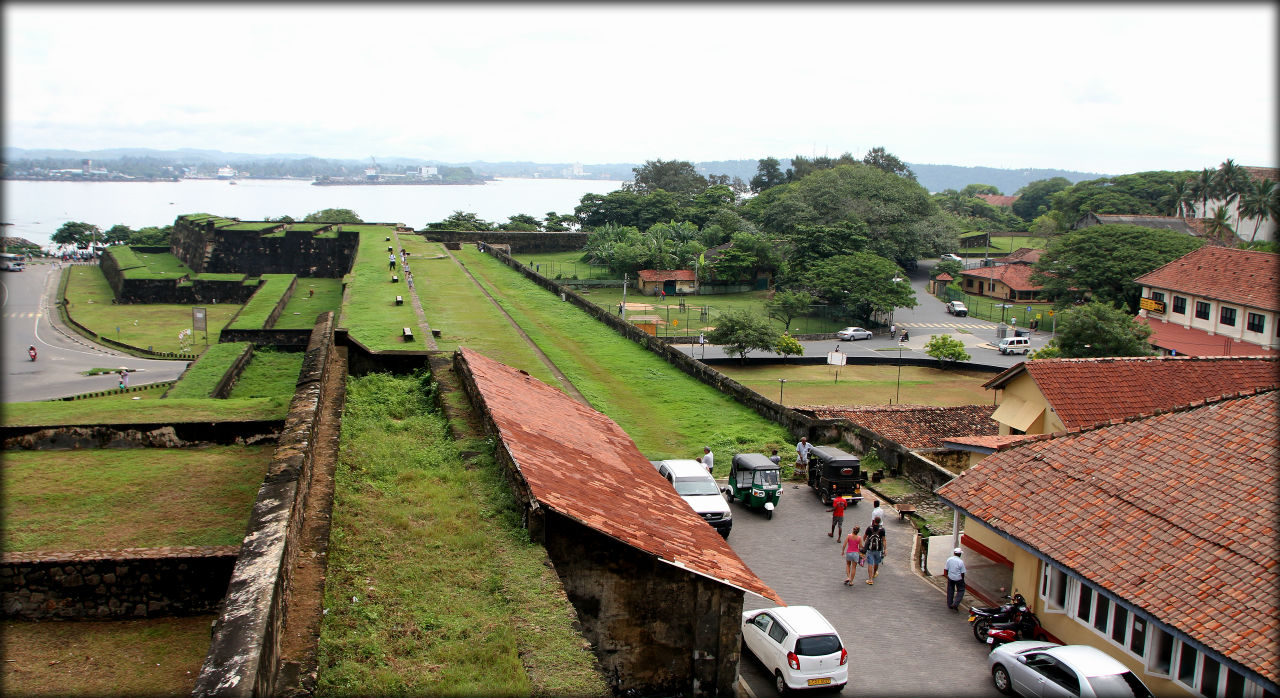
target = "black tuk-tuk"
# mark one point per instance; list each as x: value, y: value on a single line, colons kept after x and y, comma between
x: 754, y: 481
x: 834, y: 473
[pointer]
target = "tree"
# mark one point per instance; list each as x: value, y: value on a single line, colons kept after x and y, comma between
x: 946, y: 267
x: 1033, y: 199
x: 76, y: 233
x: 861, y: 281
x: 1232, y: 180
x: 1140, y: 193
x: 785, y: 306
x: 1179, y: 200
x: 944, y: 348
x: 1218, y: 226
x: 976, y: 189
x: 332, y: 215
x: 741, y: 332
x: 460, y: 220
x: 1205, y: 187
x: 1096, y: 330
x: 877, y: 157
x: 788, y: 346
x: 768, y: 175
x: 279, y: 219
x: 118, y: 233
x: 1259, y: 202
x: 151, y: 236
x: 676, y: 176
x: 1105, y: 259
x: 558, y: 223
x: 521, y: 222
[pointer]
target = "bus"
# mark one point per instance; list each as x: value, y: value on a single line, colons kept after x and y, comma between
x: 12, y: 262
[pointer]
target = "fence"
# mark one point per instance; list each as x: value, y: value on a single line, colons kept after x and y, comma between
x: 997, y: 310
x: 561, y: 271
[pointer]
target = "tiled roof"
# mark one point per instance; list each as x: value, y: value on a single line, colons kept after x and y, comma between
x: 998, y: 199
x: 581, y: 464
x: 1175, y: 514
x: 1023, y: 255
x: 1089, y: 391
x: 1244, y: 277
x: 1015, y: 276
x: 944, y: 276
x: 916, y: 426
x: 1189, y: 341
x: 713, y: 253
x: 1270, y: 173
x: 992, y: 443
x: 673, y: 275
x: 1166, y: 222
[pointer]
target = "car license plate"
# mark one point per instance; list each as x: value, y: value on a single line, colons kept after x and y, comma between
x: 972, y: 618
x: 819, y: 682
x: 991, y: 641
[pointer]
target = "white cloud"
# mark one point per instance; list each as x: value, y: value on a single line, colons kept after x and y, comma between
x: 1090, y: 87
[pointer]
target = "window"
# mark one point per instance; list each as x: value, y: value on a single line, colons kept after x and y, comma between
x: 1138, y: 637
x: 1187, y: 664
x: 778, y: 633
x: 1157, y: 296
x: 1120, y: 625
x: 1084, y: 604
x: 1209, y: 677
x: 1235, y: 685
x: 1180, y: 305
x: 1202, y: 310
x: 1227, y: 316
x: 1160, y: 658
x: 1103, y: 614
x: 1053, y: 589
x: 1257, y: 322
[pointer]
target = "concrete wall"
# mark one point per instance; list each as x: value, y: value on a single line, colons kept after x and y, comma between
x: 519, y: 242
x: 245, y: 650
x: 113, y: 584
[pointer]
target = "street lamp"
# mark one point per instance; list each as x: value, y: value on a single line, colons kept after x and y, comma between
x: 896, y: 280
x: 897, y: 391
x: 781, y: 382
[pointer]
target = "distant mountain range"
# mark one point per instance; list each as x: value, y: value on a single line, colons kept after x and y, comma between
x: 935, y: 178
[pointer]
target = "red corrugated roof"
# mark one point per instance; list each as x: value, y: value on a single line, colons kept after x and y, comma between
x: 581, y: 464
x: 916, y: 426
x: 1083, y: 392
x: 1189, y: 341
x: 672, y: 275
x: 1244, y: 277
x: 1015, y: 276
x: 1175, y: 514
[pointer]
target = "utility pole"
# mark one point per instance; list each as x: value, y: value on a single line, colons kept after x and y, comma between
x: 624, y: 297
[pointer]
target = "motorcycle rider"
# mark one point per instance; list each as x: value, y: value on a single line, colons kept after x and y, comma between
x: 31, y: 351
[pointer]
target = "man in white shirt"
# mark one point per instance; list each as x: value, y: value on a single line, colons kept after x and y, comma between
x: 878, y: 511
x: 955, y: 580
x: 802, y: 453
x: 708, y: 458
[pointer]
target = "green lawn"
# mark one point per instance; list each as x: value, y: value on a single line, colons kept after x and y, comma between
x: 148, y: 409
x: 666, y: 412
x: 199, y: 380
x: 152, y: 325
x: 1004, y: 244
x: 259, y: 306
x: 269, y: 374
x: 303, y: 307
x: 690, y: 321
x: 129, y: 498
x: 371, y: 314
x: 566, y: 265
x: 433, y: 586
x: 863, y: 385
x: 148, y: 265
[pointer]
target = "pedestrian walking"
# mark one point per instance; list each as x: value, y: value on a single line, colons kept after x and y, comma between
x: 802, y: 454
x: 620, y: 310
x: 955, y: 580
x: 775, y: 457
x: 873, y: 546
x: 852, y: 555
x: 708, y: 458
x: 877, y: 511
x: 124, y: 378
x: 391, y: 262
x: 837, y: 517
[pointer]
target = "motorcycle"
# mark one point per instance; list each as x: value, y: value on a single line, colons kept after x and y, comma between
x: 1025, y: 626
x: 982, y: 618
x: 31, y: 351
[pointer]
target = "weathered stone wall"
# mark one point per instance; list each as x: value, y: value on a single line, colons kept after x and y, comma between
x: 362, y: 360
x: 177, y: 435
x: 223, y: 387
x: 102, y: 584
x: 244, y: 653
x: 205, y: 249
x: 283, y: 340
x: 172, y: 290
x: 519, y: 242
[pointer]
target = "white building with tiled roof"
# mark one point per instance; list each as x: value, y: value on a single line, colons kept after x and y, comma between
x: 1246, y: 228
x: 1214, y: 301
x: 1154, y: 540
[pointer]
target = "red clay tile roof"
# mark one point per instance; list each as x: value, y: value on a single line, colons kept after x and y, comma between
x: 673, y: 275
x: 1083, y: 392
x: 583, y: 465
x: 1023, y: 255
x: 944, y: 276
x: 1270, y: 173
x: 1015, y: 276
x: 916, y: 426
x: 1175, y: 514
x: 998, y: 199
x: 985, y: 442
x: 1245, y: 277
x: 1188, y: 341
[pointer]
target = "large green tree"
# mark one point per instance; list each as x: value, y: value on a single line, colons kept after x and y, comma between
x: 1140, y: 193
x: 76, y: 233
x: 786, y: 306
x: 117, y: 234
x: 768, y: 175
x: 944, y: 348
x: 861, y: 282
x: 521, y: 222
x: 742, y: 332
x: 1260, y: 201
x: 879, y: 158
x: 332, y: 215
x: 1105, y: 259
x: 1096, y: 330
x: 1033, y: 199
x: 461, y: 220
x: 676, y: 176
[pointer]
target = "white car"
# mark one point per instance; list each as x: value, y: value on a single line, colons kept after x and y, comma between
x: 798, y: 646
x: 951, y: 258
x: 699, y: 490
x: 1033, y: 668
x: 849, y: 333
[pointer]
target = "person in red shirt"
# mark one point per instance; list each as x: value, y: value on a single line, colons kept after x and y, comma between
x: 837, y: 518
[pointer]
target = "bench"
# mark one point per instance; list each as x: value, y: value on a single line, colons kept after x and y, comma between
x: 390, y: 248
x: 904, y: 510
x: 399, y: 300
x: 408, y: 335
x: 395, y: 279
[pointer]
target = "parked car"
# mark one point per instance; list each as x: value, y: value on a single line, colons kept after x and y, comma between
x: 849, y: 333
x: 797, y: 646
x: 1033, y: 668
x: 696, y: 486
x: 1014, y: 345
x: 957, y: 308
x: 951, y: 258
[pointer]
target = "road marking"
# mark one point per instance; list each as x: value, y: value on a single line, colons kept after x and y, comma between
x: 22, y: 315
x: 966, y: 325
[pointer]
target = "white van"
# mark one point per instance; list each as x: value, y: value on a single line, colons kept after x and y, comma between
x: 692, y: 482
x: 1014, y: 345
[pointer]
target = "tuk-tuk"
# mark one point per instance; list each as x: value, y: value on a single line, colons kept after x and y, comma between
x: 835, y: 473
x: 754, y: 481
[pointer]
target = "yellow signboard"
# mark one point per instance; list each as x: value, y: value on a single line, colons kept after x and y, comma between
x: 1152, y: 305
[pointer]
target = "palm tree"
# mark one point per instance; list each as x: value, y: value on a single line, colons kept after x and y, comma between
x: 1204, y: 187
x: 1218, y: 226
x: 1232, y: 180
x: 1179, y: 201
x: 1259, y: 203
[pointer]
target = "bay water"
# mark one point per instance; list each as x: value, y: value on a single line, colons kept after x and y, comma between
x: 35, y: 210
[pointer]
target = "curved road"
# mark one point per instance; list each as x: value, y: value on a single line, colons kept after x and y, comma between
x: 30, y: 319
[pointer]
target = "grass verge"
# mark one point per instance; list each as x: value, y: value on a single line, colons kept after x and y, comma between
x: 129, y: 498
x: 433, y: 587
x: 310, y: 298
x: 253, y: 316
x: 863, y: 385
x: 121, y: 408
x: 269, y: 374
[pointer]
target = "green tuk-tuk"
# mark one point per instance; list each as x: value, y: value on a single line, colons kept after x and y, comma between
x: 754, y: 481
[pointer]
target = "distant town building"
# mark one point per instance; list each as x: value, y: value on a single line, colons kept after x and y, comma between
x: 226, y: 172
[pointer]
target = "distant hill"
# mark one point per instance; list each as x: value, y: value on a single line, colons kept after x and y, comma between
x: 935, y: 178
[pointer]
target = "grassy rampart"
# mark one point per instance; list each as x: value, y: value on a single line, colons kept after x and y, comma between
x: 310, y: 298
x: 254, y: 314
x: 269, y: 374
x: 147, y: 410
x: 371, y: 314
x: 202, y: 377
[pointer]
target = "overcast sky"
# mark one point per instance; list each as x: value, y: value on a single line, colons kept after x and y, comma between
x: 1090, y: 87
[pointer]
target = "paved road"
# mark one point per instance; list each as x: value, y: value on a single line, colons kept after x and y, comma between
x: 30, y: 319
x: 901, y: 638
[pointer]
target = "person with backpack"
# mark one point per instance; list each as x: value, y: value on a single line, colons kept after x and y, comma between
x: 873, y: 549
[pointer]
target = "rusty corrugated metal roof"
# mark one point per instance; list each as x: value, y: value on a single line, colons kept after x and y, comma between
x: 581, y: 464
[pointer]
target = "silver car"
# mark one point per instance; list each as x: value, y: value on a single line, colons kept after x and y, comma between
x: 1032, y: 668
x: 849, y: 333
